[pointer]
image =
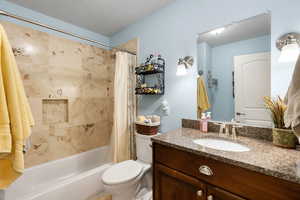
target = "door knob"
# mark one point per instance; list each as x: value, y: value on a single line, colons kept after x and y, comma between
x: 199, y: 193
x: 210, y: 197
x: 239, y: 113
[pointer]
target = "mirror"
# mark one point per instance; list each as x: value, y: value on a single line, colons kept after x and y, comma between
x: 234, y: 62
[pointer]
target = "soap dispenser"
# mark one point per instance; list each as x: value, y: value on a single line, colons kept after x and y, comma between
x: 203, y: 123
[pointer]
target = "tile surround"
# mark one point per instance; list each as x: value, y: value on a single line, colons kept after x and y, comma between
x: 55, y: 111
x: 54, y: 67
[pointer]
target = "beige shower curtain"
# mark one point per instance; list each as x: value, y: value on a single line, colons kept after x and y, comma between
x: 123, y: 145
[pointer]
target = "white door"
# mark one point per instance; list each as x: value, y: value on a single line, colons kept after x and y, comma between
x: 252, y: 77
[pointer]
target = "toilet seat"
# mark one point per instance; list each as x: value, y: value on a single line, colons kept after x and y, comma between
x: 122, y: 172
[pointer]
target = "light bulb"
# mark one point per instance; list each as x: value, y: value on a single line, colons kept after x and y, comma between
x: 289, y: 53
x: 181, y: 70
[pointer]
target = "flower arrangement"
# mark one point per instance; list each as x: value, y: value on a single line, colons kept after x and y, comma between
x: 277, y: 108
x: 282, y: 136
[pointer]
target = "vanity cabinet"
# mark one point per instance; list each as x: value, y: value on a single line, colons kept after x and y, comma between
x: 173, y: 185
x: 215, y: 193
x: 182, y: 175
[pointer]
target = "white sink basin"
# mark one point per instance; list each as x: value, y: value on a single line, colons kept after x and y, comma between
x: 222, y: 145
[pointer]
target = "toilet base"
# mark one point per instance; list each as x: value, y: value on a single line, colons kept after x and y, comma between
x: 137, y: 189
x: 144, y: 194
x: 123, y: 192
x: 133, y: 194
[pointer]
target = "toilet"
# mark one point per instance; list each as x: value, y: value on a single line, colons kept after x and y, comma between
x: 126, y: 179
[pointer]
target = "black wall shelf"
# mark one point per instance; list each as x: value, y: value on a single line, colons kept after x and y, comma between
x: 150, y: 72
x: 150, y: 77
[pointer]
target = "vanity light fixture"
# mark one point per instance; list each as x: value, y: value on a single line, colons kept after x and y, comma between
x: 289, y: 45
x: 184, y: 64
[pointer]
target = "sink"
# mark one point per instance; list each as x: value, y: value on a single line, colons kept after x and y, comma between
x: 220, y: 144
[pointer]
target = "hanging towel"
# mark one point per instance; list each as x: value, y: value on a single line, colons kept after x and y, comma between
x: 292, y: 99
x: 15, y: 115
x: 202, y: 97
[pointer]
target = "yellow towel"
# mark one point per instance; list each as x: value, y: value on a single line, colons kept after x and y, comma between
x: 202, y: 97
x: 15, y: 115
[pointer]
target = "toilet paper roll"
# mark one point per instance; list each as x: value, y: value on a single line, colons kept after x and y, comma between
x: 141, y: 118
x: 155, y: 119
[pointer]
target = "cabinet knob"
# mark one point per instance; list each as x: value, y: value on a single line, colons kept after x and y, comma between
x: 210, y: 197
x: 206, y: 170
x: 199, y: 193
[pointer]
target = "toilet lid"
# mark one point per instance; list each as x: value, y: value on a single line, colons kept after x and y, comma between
x: 122, y: 172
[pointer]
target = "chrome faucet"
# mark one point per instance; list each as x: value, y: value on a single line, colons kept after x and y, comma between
x: 229, y: 128
x: 233, y: 132
x: 224, y: 127
x: 234, y: 126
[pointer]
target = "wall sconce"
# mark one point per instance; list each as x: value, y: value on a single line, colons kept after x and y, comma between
x: 289, y: 45
x: 184, y: 64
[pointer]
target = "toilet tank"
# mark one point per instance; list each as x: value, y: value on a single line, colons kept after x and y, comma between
x: 144, y: 148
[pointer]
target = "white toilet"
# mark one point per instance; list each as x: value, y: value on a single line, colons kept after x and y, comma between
x: 124, y: 180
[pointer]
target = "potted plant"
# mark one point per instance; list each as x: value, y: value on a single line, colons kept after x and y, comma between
x: 282, y: 136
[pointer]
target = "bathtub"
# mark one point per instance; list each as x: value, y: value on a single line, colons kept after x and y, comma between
x: 74, y: 178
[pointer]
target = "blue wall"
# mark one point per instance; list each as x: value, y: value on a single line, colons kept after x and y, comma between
x: 222, y: 68
x: 204, y: 54
x: 30, y: 14
x: 172, y: 31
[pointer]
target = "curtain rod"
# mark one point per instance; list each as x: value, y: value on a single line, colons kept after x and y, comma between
x: 4, y: 13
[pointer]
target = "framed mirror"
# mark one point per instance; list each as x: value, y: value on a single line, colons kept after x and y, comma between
x: 234, y: 63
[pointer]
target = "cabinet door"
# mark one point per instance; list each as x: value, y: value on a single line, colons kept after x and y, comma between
x: 214, y: 193
x: 170, y: 184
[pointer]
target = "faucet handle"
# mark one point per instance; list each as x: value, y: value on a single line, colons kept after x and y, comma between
x: 233, y: 130
x: 222, y: 127
x: 234, y: 134
x: 227, y: 129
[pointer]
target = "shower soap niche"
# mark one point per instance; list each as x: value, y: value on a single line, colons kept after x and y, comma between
x: 55, y: 111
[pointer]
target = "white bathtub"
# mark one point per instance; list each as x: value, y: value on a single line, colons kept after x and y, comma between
x: 74, y: 178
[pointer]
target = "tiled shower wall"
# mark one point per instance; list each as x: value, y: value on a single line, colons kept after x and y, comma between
x: 70, y: 89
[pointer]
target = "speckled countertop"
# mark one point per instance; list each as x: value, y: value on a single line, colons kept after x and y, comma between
x: 263, y: 157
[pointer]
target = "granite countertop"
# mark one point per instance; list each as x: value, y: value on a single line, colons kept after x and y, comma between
x: 263, y: 156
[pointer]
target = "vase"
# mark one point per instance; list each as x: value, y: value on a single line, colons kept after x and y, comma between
x: 297, y: 133
x: 284, y: 138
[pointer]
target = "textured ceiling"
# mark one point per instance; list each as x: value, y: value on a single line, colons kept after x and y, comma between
x: 250, y: 28
x: 101, y: 16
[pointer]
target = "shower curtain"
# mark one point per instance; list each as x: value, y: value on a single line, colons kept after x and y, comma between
x: 123, y: 142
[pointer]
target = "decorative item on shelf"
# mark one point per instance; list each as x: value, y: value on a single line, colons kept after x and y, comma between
x: 154, y: 65
x: 148, y: 90
x: 139, y: 81
x: 282, y: 136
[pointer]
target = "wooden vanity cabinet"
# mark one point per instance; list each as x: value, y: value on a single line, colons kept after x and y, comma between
x: 177, y: 177
x: 173, y: 185
x: 215, y: 193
